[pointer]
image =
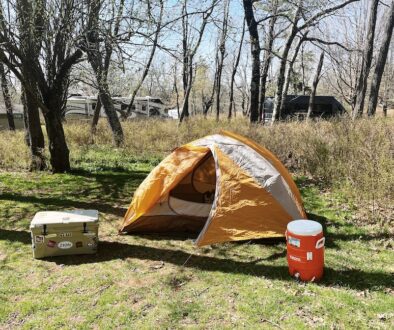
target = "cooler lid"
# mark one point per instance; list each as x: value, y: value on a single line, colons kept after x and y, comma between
x: 64, y: 217
x: 304, y: 227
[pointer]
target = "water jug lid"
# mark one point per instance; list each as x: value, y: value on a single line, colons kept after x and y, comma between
x: 305, y: 227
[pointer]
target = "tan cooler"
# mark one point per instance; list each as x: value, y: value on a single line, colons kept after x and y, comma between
x: 56, y: 233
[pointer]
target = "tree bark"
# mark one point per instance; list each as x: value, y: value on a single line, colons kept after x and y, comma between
x: 367, y: 61
x: 100, y: 65
x: 58, y: 149
x: 185, y: 61
x: 7, y: 98
x: 290, y: 71
x: 255, y: 52
x: 148, y: 64
x: 208, y: 100
x: 267, y: 62
x: 381, y: 61
x: 277, y: 113
x: 96, y: 117
x: 314, y: 86
x: 185, y: 104
x: 189, y: 53
x: 113, y: 119
x: 35, y: 136
x: 222, y: 54
x: 234, y: 72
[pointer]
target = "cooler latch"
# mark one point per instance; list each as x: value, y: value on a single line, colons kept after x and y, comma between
x: 84, y: 228
x: 44, y: 230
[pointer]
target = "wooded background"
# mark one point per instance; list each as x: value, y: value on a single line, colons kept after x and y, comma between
x: 201, y: 57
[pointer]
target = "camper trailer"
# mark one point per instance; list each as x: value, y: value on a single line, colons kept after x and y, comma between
x: 82, y: 107
x: 18, y: 117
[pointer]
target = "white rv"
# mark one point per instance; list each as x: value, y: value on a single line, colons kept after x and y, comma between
x: 83, y: 107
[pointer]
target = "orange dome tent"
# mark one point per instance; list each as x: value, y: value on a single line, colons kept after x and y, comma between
x: 224, y: 187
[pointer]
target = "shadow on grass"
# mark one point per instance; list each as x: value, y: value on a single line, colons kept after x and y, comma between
x: 353, y: 279
x: 113, y: 183
x: 61, y: 203
x: 332, y: 237
x: 109, y: 186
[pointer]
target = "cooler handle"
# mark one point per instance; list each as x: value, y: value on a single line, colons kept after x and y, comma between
x: 320, y: 243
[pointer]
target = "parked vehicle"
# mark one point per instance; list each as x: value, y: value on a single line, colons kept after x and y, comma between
x: 296, y: 107
x: 80, y: 107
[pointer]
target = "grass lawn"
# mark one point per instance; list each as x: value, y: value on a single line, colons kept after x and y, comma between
x: 166, y: 282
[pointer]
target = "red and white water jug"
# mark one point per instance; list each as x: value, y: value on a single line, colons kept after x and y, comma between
x: 305, y: 249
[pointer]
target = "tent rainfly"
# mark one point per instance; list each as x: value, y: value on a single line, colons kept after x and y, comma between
x: 224, y: 187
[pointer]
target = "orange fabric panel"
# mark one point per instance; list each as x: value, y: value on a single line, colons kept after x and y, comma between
x: 244, y: 209
x: 204, y: 176
x: 162, y: 179
x: 276, y: 162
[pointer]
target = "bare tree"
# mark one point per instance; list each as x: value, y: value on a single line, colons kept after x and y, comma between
x: 231, y: 106
x: 367, y: 61
x: 299, y: 23
x: 222, y: 54
x: 381, y: 60
x: 268, y: 55
x: 41, y: 54
x: 99, y: 48
x: 255, y: 52
x: 190, y: 50
x: 276, y: 114
x: 150, y: 58
x: 289, y: 70
x: 314, y: 86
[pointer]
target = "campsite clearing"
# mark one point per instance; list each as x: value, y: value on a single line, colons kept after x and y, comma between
x: 166, y: 282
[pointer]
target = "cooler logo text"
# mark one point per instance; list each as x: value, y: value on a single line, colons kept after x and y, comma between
x: 64, y: 245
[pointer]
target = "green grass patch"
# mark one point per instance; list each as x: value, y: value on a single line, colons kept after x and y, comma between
x: 166, y: 282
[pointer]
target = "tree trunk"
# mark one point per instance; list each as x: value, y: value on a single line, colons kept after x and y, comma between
x: 314, y: 86
x: 277, y: 113
x: 367, y: 61
x: 233, y: 73
x: 218, y: 84
x: 208, y: 100
x: 25, y: 121
x: 269, y: 41
x: 58, y: 149
x: 36, y: 137
x: 255, y: 52
x: 381, y: 61
x: 290, y: 71
x: 176, y: 93
x: 112, y: 116
x: 185, y: 62
x: 185, y: 105
x: 7, y: 98
x: 96, y: 117
x: 148, y: 64
x: 384, y: 109
x: 222, y: 52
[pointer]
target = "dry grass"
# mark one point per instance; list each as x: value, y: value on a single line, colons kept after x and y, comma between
x: 357, y: 156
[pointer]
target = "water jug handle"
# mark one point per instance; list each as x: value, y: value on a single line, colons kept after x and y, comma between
x: 286, y: 234
x: 320, y: 243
